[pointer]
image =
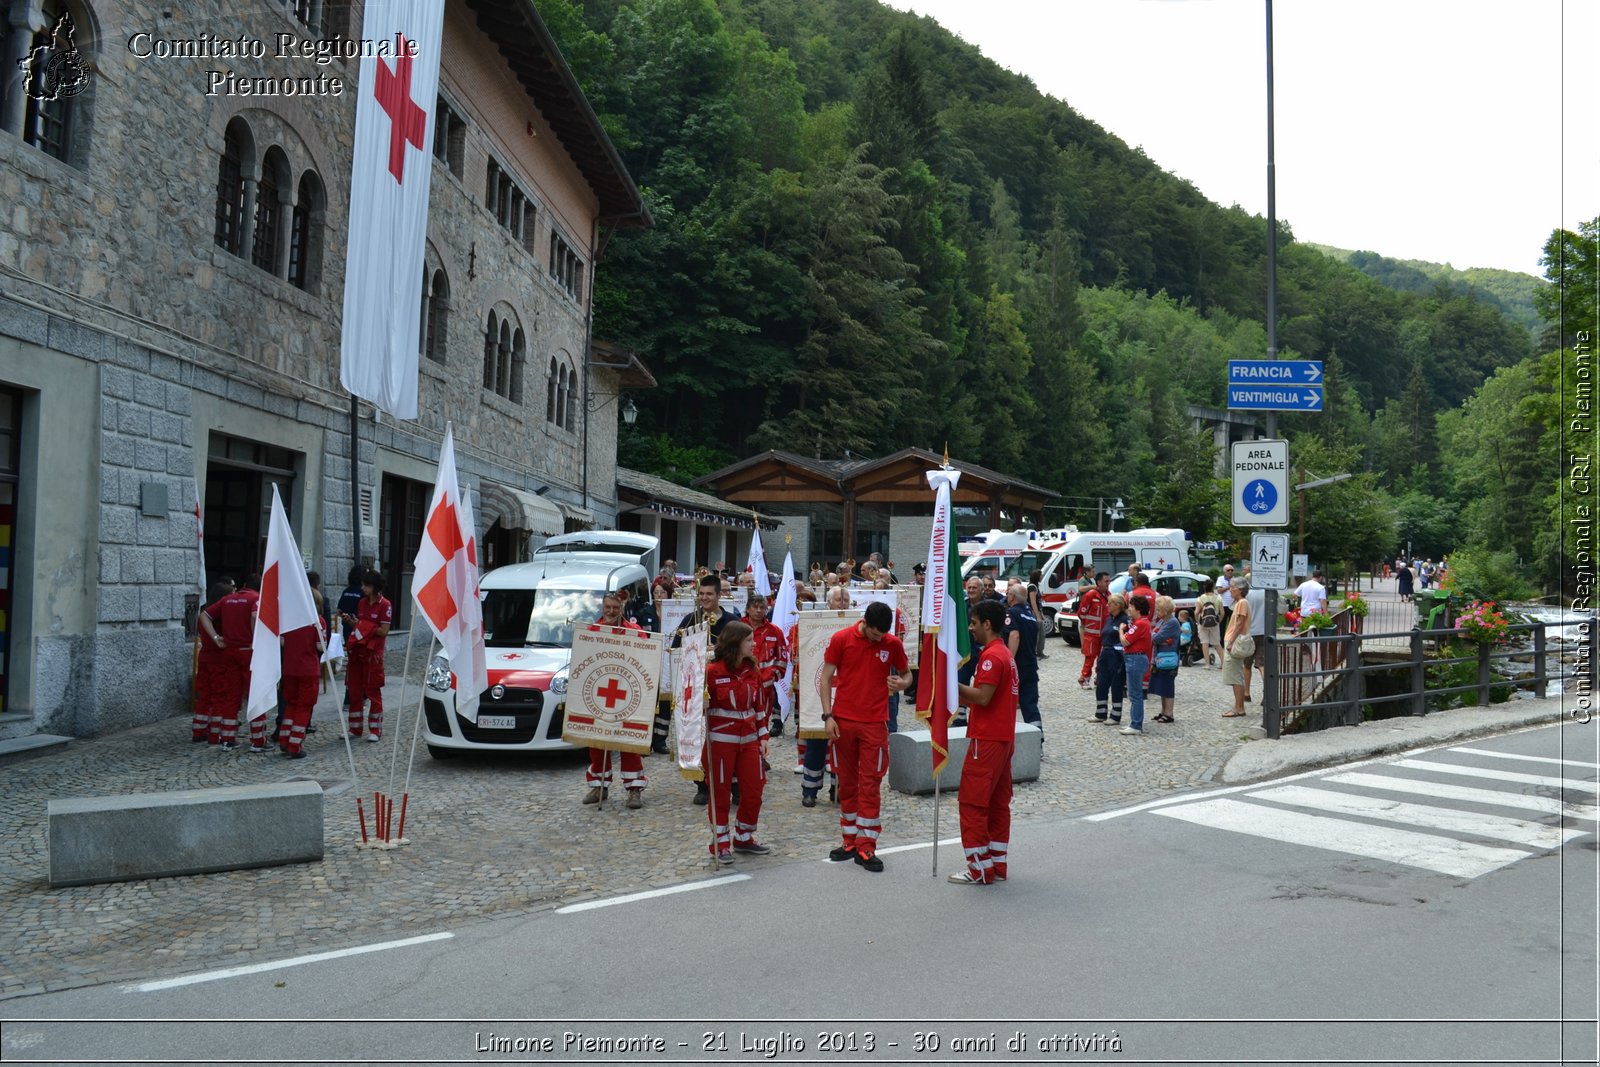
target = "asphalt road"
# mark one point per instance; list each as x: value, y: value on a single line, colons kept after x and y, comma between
x: 1388, y: 912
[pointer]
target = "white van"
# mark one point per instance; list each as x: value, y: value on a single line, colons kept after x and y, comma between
x: 1081, y: 555
x: 529, y: 613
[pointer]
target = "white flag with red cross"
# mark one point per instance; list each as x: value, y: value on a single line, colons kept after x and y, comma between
x: 285, y: 605
x: 391, y: 166
x: 445, y: 585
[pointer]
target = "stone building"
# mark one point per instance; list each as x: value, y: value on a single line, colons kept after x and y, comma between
x: 174, y: 184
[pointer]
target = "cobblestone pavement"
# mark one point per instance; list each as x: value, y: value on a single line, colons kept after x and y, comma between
x: 490, y: 835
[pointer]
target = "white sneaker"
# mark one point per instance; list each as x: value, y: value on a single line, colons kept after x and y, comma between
x: 799, y: 768
x: 373, y: 739
x: 1130, y: 731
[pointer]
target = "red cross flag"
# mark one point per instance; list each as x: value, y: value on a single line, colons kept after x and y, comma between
x: 285, y: 605
x: 389, y: 202
x: 445, y: 586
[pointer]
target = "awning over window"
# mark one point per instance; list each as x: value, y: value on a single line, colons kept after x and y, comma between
x: 581, y: 517
x: 518, y: 509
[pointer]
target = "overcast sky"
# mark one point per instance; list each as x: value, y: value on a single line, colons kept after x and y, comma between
x: 1421, y: 129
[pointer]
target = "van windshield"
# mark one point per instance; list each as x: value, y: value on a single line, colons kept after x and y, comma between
x: 513, y: 618
x: 1025, y: 564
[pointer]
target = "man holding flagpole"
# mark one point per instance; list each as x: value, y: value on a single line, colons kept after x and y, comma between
x: 991, y: 738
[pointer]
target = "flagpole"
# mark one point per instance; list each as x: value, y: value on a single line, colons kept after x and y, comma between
x: 405, y: 684
x: 416, y: 728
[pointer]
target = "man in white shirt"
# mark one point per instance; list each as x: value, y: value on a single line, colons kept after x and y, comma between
x: 1122, y: 583
x: 1313, y: 595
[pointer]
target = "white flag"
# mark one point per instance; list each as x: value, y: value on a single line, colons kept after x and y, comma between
x: 445, y: 585
x: 200, y: 539
x: 784, y: 612
x: 285, y: 605
x: 758, y: 564
x: 391, y: 166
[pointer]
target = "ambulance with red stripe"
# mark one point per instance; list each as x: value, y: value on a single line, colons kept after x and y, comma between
x: 1068, y: 555
x: 529, y: 613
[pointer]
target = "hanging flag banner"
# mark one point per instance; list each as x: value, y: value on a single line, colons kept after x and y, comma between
x: 815, y: 629
x: 391, y: 165
x: 689, y: 702
x: 611, y: 688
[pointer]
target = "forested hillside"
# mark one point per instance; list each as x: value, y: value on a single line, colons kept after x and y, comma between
x: 869, y: 236
x: 1511, y: 291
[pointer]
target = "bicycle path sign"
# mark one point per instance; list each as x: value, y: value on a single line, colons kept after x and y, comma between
x: 1260, y: 483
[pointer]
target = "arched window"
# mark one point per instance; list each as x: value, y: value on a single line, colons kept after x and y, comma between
x: 422, y: 314
x: 436, y: 340
x: 518, y: 353
x: 236, y: 148
x: 491, y: 341
x: 502, y: 376
x: 272, y: 191
x: 572, y: 399
x: 550, y: 394
x: 305, y: 234
x: 561, y: 397
x: 45, y: 74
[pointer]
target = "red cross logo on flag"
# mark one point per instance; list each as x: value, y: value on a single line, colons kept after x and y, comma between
x: 445, y: 585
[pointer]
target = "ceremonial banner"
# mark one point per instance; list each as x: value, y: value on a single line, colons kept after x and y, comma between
x: 673, y: 612
x: 909, y: 599
x: 285, y: 605
x: 814, y: 629
x: 784, y: 612
x: 861, y: 596
x: 689, y: 703
x: 444, y: 583
x: 946, y: 642
x: 611, y: 689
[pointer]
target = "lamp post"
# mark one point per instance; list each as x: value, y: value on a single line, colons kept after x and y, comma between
x: 1113, y: 513
x: 1301, y: 490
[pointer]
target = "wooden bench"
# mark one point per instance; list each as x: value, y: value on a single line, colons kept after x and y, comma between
x: 192, y: 831
x: 911, y: 759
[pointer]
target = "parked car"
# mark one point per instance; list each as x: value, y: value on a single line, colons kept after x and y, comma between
x: 529, y: 613
x: 1182, y: 586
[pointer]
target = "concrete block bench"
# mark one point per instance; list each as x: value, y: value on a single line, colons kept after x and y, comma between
x: 193, y: 831
x: 911, y: 759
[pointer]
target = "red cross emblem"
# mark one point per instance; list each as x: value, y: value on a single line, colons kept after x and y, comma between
x: 407, y: 121
x: 611, y: 693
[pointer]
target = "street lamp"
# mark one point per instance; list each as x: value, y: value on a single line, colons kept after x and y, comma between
x: 1301, y: 489
x: 628, y: 411
x: 1115, y: 512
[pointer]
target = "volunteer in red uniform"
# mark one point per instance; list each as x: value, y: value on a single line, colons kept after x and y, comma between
x: 771, y: 651
x: 736, y: 740
x: 230, y: 625
x: 599, y: 777
x: 209, y: 685
x: 869, y: 663
x: 985, y: 796
x: 302, y: 678
x: 364, y: 674
x: 1091, y: 617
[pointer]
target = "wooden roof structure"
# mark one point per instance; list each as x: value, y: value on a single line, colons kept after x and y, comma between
x: 773, y: 478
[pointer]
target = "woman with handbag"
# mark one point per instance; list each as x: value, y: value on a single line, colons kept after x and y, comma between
x: 1166, y: 639
x: 1239, y: 647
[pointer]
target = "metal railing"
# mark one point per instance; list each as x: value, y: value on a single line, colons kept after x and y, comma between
x: 1323, y: 672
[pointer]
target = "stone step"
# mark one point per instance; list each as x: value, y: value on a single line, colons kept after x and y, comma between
x: 29, y: 745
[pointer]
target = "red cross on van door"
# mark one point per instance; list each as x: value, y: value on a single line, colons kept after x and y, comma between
x: 408, y: 123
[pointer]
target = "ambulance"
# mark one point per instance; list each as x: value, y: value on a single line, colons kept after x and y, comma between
x: 529, y: 613
x: 1068, y: 555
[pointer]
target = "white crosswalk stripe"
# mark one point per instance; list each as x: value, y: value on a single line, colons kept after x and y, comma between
x: 1357, y: 813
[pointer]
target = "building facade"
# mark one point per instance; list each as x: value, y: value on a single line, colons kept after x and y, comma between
x: 171, y: 284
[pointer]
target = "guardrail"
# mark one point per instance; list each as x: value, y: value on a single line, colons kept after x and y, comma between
x: 1324, y: 670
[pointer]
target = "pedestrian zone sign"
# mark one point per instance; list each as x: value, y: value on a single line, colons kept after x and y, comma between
x: 1261, y: 483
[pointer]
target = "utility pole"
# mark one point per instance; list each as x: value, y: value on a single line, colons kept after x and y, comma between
x: 1300, y: 544
x: 1272, y: 231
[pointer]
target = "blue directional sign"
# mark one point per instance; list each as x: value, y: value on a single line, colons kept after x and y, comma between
x: 1275, y: 372
x: 1274, y: 397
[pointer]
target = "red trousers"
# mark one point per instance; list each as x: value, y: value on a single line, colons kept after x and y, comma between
x: 231, y: 685
x: 363, y: 678
x: 299, y: 696
x: 985, y: 805
x: 1091, y: 652
x: 726, y: 762
x: 861, y: 759
x: 210, y: 696
x: 600, y: 769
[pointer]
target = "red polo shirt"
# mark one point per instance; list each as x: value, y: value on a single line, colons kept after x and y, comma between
x: 996, y: 720
x: 234, y: 617
x: 861, y: 670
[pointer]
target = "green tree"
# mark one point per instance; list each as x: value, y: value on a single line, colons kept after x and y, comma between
x: 1572, y: 265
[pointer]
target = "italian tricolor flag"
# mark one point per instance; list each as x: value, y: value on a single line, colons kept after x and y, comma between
x: 945, y: 642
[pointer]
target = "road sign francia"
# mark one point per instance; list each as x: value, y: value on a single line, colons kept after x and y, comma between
x: 1274, y: 385
x: 1261, y: 483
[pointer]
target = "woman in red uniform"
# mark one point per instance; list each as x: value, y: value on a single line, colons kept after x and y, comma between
x: 736, y: 739
x: 369, y: 628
